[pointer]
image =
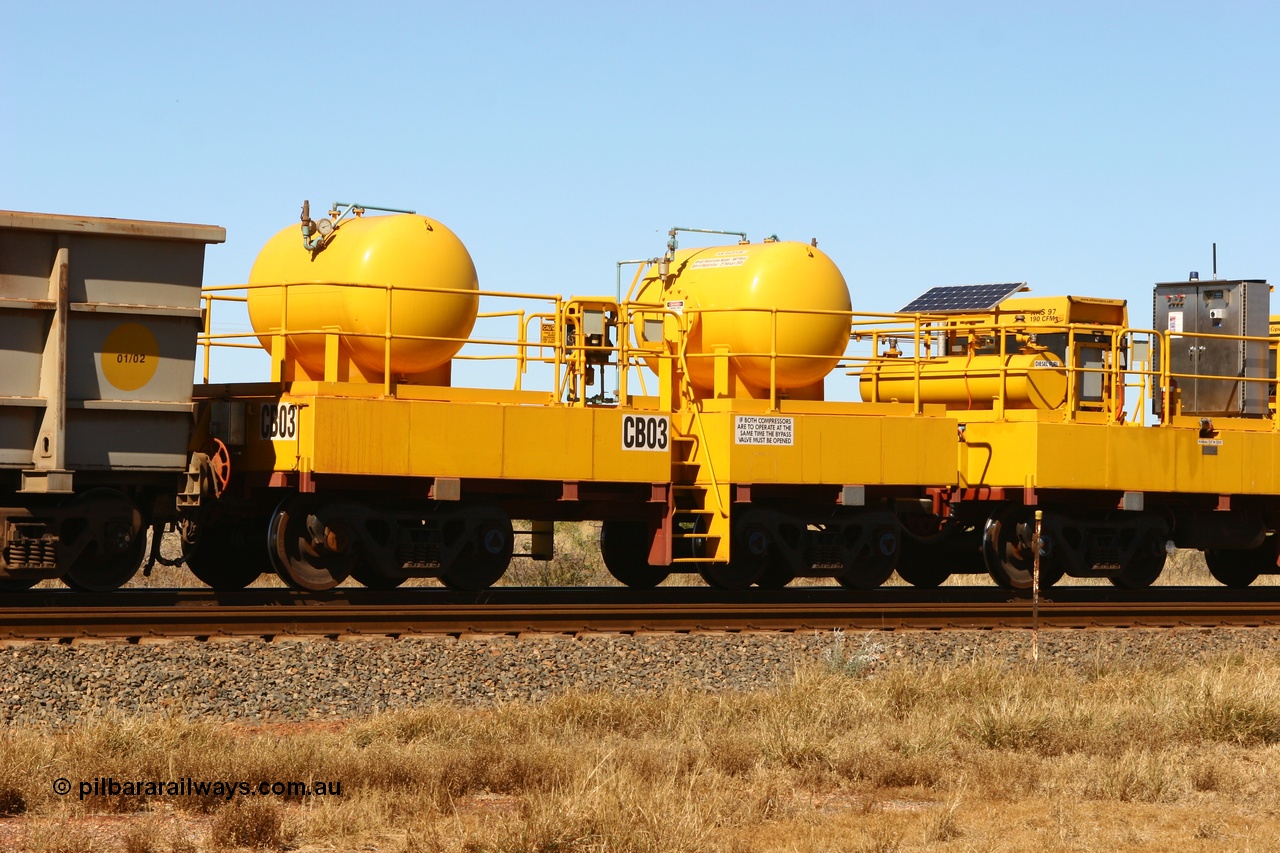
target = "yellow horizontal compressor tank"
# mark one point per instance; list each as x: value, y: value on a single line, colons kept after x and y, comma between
x: 1033, y: 380
x: 728, y: 295
x: 370, y: 271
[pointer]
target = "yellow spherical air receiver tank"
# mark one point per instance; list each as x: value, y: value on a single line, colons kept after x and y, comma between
x: 407, y: 271
x: 731, y: 297
x: 1034, y: 379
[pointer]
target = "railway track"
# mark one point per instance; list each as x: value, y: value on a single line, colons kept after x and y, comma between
x: 144, y: 614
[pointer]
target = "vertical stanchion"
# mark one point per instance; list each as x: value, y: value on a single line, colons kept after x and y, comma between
x: 1035, y: 591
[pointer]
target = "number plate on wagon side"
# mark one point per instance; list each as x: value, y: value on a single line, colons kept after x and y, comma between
x: 646, y: 432
x: 278, y: 422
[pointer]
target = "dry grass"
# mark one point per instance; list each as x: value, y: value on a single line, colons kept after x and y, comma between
x: 977, y: 757
x: 577, y: 561
x: 259, y: 824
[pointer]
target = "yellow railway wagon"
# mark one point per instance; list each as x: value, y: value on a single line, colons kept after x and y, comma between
x: 362, y: 458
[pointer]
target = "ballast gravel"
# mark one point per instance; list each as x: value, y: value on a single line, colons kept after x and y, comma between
x: 326, y: 679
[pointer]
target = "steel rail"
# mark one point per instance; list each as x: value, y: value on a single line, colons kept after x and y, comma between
x: 274, y: 613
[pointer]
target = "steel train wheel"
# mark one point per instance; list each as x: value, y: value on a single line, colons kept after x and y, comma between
x: 1230, y: 568
x: 228, y: 557
x: 1009, y: 552
x: 1144, y: 568
x: 922, y: 570
x: 624, y: 547
x: 873, y: 570
x: 934, y: 549
x: 364, y: 572
x: 105, y: 572
x: 1139, y: 574
x: 306, y: 551
x: 1239, y: 567
x: 109, y: 565
x: 485, y: 560
x: 776, y: 574
x: 729, y: 576
x: 748, y: 561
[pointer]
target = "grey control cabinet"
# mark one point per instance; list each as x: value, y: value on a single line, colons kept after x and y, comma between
x: 1187, y: 310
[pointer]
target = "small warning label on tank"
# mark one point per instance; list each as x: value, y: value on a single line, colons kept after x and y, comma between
x: 676, y: 306
x: 1044, y: 362
x: 717, y: 263
x: 1209, y: 442
x: 754, y: 429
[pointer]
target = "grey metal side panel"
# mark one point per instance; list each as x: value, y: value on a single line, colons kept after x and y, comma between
x: 22, y: 336
x: 131, y: 313
x: 90, y: 363
x: 1257, y: 316
x: 115, y: 440
x: 104, y: 270
x: 1219, y: 358
x: 1238, y: 308
x: 1175, y: 308
x: 25, y: 261
x: 18, y: 428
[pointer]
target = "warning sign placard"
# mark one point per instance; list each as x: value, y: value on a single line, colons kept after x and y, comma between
x: 757, y: 429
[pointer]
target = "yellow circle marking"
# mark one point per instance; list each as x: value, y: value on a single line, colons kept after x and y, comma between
x: 130, y: 356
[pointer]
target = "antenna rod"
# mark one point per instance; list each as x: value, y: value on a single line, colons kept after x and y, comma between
x: 1215, y: 261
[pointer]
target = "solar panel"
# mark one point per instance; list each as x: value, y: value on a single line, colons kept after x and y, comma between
x: 961, y: 297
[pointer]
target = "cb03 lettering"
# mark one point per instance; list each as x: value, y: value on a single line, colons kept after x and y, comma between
x: 640, y: 432
x: 279, y: 421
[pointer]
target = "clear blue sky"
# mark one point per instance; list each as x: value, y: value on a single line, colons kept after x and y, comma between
x: 1091, y: 148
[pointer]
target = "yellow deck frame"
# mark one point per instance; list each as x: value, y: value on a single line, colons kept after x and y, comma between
x: 394, y: 436
x: 1045, y: 455
x: 834, y: 443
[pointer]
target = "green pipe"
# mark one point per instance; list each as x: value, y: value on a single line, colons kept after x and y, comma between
x: 351, y: 207
x: 620, y: 265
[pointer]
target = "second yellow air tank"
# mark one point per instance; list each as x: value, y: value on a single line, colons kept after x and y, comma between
x: 756, y: 299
